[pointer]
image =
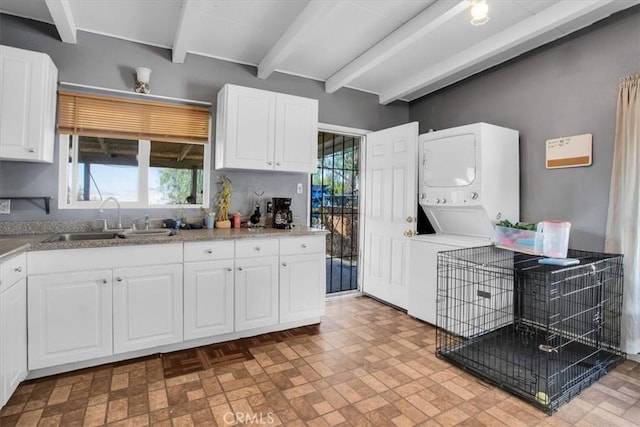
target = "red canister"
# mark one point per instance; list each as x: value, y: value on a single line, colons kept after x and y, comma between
x: 236, y: 220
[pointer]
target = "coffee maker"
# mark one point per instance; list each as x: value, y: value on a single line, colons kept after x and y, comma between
x: 282, y: 215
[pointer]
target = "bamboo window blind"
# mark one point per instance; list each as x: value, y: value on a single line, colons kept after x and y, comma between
x: 104, y: 116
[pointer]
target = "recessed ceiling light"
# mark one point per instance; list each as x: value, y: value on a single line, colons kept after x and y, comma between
x: 479, y: 12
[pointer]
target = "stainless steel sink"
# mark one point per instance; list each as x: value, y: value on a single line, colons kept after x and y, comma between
x: 67, y: 237
x: 146, y: 233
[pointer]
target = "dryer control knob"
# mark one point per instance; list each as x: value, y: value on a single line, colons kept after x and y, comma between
x: 437, y: 200
x: 444, y: 200
x: 474, y: 196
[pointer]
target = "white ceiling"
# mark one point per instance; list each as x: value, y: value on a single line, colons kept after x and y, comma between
x: 397, y: 49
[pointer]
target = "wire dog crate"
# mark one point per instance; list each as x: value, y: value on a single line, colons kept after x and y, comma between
x: 543, y: 332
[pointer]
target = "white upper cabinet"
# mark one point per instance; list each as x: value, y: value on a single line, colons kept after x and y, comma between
x: 261, y: 130
x: 27, y: 105
x: 296, y: 144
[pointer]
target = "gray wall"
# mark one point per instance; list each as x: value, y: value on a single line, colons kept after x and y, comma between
x: 107, y: 62
x: 566, y: 88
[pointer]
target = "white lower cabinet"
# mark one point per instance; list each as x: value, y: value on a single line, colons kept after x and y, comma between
x: 13, y: 326
x: 208, y: 288
x: 208, y: 298
x: 69, y: 317
x: 91, y: 303
x: 147, y: 307
x: 85, y: 304
x: 302, y: 278
x: 256, y: 292
x: 256, y: 283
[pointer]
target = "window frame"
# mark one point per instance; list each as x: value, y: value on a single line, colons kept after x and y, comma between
x: 144, y: 151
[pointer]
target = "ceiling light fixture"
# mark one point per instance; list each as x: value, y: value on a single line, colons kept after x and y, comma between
x: 142, y: 80
x: 479, y: 12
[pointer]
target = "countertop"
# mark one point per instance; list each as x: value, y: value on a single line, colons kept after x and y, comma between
x: 13, y: 244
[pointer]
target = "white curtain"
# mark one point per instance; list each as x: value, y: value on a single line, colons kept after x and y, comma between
x: 623, y: 220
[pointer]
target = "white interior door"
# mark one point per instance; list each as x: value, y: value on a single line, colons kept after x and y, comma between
x: 390, y: 211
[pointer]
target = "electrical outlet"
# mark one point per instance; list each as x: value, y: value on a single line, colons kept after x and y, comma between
x: 299, y: 190
x: 5, y: 206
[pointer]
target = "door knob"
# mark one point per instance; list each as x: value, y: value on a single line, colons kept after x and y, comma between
x: 104, y: 281
x: 119, y: 279
x: 239, y: 268
x: 408, y: 233
x: 209, y: 251
x: 229, y: 269
x: 284, y: 264
x: 409, y: 219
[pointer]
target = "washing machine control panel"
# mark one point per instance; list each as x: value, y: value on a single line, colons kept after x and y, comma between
x: 437, y: 197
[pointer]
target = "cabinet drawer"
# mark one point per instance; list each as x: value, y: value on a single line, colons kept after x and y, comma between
x: 256, y: 247
x: 208, y: 251
x: 61, y: 260
x: 302, y: 245
x: 12, y: 270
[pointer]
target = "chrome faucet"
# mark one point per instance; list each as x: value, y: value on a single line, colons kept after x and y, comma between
x: 146, y: 222
x: 118, y: 205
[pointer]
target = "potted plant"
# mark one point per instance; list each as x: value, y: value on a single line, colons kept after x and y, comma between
x: 224, y: 201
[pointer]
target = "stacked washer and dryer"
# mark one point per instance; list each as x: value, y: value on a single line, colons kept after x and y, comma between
x: 469, y: 179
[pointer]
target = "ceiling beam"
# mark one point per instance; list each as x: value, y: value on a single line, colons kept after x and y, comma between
x: 60, y: 11
x: 543, y: 22
x: 186, y: 25
x: 183, y: 153
x: 419, y: 26
x: 104, y: 147
x: 292, y: 37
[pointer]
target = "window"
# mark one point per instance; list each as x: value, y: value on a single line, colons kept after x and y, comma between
x: 98, y: 168
x: 141, y: 161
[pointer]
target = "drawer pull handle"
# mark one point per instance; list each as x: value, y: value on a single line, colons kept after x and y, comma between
x: 119, y: 279
x: 18, y: 270
x: 209, y: 251
x: 269, y: 163
x: 239, y: 268
x: 284, y: 264
x: 229, y: 269
x: 31, y: 150
x: 304, y: 245
x: 104, y: 281
x: 257, y: 248
x: 278, y: 163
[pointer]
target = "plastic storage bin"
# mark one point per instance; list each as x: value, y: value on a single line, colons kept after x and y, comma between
x: 515, y: 239
x: 556, y: 238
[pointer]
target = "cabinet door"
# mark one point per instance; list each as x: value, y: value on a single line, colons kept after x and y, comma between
x: 302, y: 286
x: 27, y: 105
x: 147, y: 307
x: 208, y: 298
x: 245, y: 132
x: 256, y: 292
x: 13, y: 338
x: 69, y: 317
x: 296, y: 140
